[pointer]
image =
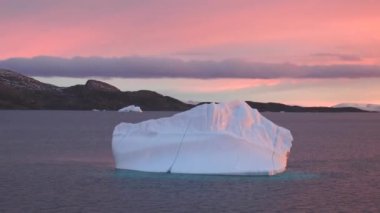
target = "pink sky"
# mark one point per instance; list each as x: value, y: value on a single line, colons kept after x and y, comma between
x: 303, y: 32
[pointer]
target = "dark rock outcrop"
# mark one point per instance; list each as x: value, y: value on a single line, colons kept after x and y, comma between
x: 100, y: 86
x: 14, y: 80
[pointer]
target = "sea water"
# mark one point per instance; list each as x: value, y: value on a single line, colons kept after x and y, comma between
x: 61, y: 161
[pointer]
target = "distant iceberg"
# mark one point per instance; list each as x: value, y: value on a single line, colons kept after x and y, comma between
x: 226, y: 138
x: 131, y: 108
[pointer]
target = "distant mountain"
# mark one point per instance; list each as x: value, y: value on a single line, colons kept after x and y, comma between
x: 366, y: 107
x: 21, y: 92
x: 278, y: 107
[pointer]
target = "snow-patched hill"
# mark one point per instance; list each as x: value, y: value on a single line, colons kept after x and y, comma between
x: 366, y: 107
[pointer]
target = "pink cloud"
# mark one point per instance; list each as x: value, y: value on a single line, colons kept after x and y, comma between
x: 271, y: 31
x: 226, y: 85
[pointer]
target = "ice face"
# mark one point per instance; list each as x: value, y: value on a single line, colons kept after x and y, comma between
x: 225, y: 138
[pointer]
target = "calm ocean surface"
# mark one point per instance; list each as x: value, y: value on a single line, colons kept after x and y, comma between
x: 61, y: 161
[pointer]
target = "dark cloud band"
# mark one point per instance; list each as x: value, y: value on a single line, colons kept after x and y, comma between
x: 150, y: 67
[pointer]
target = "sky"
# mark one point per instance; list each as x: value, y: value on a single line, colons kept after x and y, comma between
x: 304, y: 52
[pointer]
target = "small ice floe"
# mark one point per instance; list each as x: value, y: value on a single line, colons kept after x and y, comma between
x: 98, y: 110
x: 131, y: 108
x: 226, y: 138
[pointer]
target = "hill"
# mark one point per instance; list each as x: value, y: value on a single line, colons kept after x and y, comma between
x: 366, y: 107
x: 21, y: 92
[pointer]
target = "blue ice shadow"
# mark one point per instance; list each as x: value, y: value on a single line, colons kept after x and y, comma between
x: 285, y: 176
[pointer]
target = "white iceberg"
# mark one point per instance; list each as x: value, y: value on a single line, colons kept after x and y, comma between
x: 227, y: 138
x: 131, y: 108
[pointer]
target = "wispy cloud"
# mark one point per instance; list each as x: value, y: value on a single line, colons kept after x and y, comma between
x: 151, y: 67
x: 338, y: 56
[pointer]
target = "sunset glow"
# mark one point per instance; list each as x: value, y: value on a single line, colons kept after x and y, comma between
x: 278, y: 33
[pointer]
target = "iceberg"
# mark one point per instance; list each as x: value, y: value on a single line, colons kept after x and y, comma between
x: 227, y: 138
x: 131, y: 108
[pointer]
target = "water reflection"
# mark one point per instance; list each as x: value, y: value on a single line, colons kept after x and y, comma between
x: 285, y: 176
